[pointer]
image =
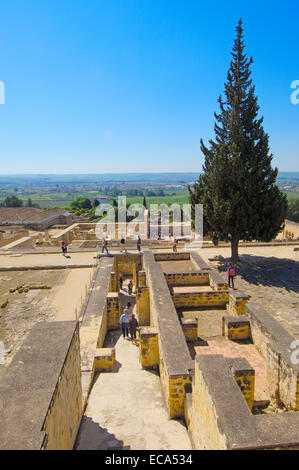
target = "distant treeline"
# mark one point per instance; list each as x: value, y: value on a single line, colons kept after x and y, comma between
x: 115, y: 192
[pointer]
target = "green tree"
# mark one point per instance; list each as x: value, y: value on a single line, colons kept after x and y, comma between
x: 237, y: 188
x: 12, y: 201
x: 29, y: 202
x: 81, y: 203
x: 144, y: 202
x: 95, y: 203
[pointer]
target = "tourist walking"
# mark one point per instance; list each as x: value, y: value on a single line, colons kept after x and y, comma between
x: 139, y: 243
x: 133, y: 324
x: 122, y: 245
x: 130, y: 287
x: 174, y: 246
x: 231, y: 272
x: 124, y: 322
x: 63, y: 248
x: 104, y: 246
x: 121, y: 281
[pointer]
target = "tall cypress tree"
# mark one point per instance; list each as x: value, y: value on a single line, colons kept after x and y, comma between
x: 237, y: 187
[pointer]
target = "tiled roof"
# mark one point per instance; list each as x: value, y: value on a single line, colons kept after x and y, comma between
x: 27, y: 215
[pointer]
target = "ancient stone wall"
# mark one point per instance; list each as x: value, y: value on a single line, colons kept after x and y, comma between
x: 65, y: 411
x: 40, y: 392
x: 274, y: 343
x: 175, y: 364
x: 221, y: 418
x: 187, y: 278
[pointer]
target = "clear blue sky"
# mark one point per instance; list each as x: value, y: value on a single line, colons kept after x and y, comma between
x: 132, y: 85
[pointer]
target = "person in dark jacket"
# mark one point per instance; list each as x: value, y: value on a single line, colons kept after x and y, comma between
x: 130, y: 287
x: 121, y: 281
x: 139, y: 243
x: 133, y: 323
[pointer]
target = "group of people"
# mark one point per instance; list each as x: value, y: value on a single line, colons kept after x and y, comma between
x: 130, y: 285
x: 129, y: 324
x: 122, y: 245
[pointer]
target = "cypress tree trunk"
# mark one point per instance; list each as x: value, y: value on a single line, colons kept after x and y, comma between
x: 234, y: 250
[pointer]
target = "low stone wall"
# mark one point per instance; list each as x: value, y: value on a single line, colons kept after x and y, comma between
x: 221, y: 418
x: 237, y: 302
x: 7, y: 239
x: 236, y: 328
x: 65, y: 235
x: 216, y: 281
x: 275, y: 345
x: 113, y: 311
x: 175, y: 364
x: 40, y: 392
x: 94, y: 326
x: 194, y: 278
x: 149, y: 347
x: 190, y: 328
x: 104, y: 359
x: 172, y: 256
x: 200, y: 299
x: 198, y: 262
x: 143, y: 306
x: 20, y: 243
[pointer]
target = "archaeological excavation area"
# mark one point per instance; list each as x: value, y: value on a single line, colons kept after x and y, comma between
x: 211, y: 369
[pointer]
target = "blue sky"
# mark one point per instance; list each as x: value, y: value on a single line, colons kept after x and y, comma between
x: 132, y: 85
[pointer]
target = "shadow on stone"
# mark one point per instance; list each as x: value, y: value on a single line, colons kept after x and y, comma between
x: 191, y: 346
x: 277, y: 272
x: 92, y: 436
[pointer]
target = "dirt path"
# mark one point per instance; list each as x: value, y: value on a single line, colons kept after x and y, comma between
x: 67, y: 296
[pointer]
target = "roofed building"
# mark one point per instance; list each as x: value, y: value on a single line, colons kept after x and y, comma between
x: 31, y: 217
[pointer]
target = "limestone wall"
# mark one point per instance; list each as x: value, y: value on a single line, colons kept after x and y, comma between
x: 94, y: 325
x: 65, y: 411
x: 20, y: 243
x: 40, y: 392
x: 187, y: 278
x: 175, y: 364
x: 7, y: 239
x: 221, y: 419
x: 274, y: 343
x: 66, y: 235
x: 200, y: 299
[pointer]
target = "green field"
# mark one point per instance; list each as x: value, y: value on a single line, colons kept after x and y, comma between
x: 63, y: 200
x: 291, y: 195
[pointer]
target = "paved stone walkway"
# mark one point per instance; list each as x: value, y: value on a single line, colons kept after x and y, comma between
x: 126, y: 409
x: 43, y: 260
